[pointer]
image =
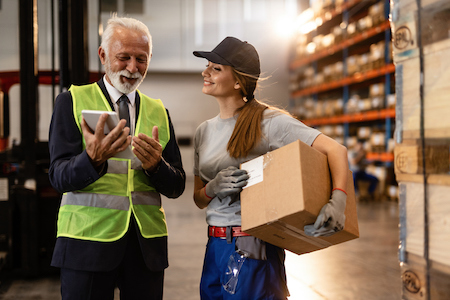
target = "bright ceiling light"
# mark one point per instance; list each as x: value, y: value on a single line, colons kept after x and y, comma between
x: 285, y: 27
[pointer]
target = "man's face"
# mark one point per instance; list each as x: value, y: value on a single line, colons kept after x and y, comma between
x: 127, y: 60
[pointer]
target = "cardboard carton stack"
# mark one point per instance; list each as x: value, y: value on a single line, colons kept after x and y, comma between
x: 421, y: 45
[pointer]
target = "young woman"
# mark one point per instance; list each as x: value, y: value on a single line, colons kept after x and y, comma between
x: 244, y: 129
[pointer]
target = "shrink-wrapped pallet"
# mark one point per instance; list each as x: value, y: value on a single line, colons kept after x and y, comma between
x: 425, y: 64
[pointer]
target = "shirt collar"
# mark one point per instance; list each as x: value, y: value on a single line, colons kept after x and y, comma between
x: 115, y: 94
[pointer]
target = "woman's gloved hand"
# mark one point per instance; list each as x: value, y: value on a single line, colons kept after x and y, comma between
x: 227, y: 182
x: 331, y: 218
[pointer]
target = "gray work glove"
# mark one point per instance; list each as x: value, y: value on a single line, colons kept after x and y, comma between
x: 227, y: 182
x: 331, y: 218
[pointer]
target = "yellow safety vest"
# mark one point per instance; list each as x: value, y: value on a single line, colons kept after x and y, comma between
x: 101, y: 211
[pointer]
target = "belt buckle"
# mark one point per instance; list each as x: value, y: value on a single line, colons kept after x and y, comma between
x: 212, y: 231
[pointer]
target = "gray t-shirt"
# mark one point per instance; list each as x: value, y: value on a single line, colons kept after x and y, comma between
x: 211, y: 155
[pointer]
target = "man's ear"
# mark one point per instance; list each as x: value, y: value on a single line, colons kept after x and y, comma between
x: 102, y: 55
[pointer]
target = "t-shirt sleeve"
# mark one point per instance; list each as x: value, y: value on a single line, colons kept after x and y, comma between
x: 284, y: 129
x: 197, y: 141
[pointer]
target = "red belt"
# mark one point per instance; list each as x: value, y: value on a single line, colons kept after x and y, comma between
x: 222, y: 231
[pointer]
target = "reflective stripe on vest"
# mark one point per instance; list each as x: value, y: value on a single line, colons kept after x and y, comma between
x: 102, y: 210
x: 110, y: 201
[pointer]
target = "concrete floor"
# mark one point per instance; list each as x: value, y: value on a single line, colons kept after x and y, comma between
x: 366, y: 268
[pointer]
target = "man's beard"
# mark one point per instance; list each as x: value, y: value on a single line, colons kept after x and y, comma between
x: 123, y: 87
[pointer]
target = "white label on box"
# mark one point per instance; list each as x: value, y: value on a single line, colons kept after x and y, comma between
x: 255, y: 168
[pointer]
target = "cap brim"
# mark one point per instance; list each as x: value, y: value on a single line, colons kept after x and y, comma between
x: 212, y: 57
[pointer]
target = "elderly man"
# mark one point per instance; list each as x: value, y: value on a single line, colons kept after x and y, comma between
x: 111, y: 226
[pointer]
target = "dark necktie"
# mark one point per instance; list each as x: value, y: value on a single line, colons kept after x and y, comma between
x: 124, y: 113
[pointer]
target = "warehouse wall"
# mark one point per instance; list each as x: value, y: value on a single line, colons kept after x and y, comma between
x: 178, y: 87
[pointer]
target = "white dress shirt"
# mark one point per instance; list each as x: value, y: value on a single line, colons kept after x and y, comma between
x: 114, y: 94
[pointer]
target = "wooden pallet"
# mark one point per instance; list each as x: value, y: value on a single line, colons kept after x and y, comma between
x: 408, y: 157
x: 416, y: 273
x: 412, y: 222
x: 435, y: 66
x: 436, y: 93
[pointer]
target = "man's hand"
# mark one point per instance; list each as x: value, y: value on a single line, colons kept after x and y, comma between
x: 101, y: 147
x: 148, y: 150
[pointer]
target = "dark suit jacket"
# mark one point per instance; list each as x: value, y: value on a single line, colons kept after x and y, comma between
x: 71, y: 169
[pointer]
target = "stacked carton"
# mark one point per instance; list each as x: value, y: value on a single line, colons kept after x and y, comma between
x: 421, y: 45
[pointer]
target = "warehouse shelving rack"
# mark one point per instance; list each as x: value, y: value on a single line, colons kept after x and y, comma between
x: 346, y: 12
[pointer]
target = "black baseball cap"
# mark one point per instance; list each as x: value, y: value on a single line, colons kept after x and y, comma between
x: 233, y: 52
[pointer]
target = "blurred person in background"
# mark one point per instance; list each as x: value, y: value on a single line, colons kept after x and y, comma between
x: 358, y: 165
x: 246, y: 128
x: 111, y: 225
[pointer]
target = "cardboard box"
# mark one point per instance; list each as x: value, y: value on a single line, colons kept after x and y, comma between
x: 295, y: 184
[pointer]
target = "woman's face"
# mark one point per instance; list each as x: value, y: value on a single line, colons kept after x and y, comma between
x: 219, y: 81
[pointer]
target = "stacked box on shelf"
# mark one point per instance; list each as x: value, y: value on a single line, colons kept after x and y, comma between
x: 375, y: 100
x: 391, y: 100
x: 374, y: 59
x: 339, y: 107
x: 422, y: 153
x: 309, y: 105
x: 306, y: 45
x: 378, y: 142
x: 352, y: 64
x: 328, y: 5
x: 377, y: 54
x: 351, y: 30
x: 352, y: 104
x: 376, y: 94
x: 358, y: 29
x: 325, y: 7
x: 338, y: 32
x: 376, y: 12
x: 300, y: 47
